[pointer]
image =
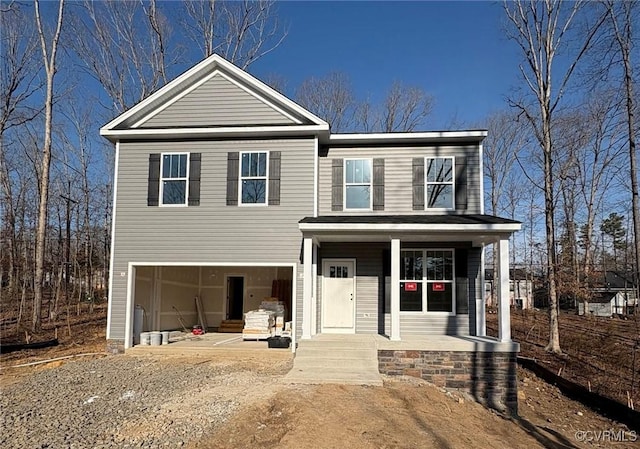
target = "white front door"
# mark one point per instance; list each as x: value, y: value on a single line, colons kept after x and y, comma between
x: 338, y: 296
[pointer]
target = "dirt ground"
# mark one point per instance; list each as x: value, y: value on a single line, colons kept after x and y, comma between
x: 409, y: 413
x: 404, y: 413
x: 601, y: 354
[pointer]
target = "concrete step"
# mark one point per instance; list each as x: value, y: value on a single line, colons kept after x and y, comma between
x: 335, y: 354
x: 336, y: 364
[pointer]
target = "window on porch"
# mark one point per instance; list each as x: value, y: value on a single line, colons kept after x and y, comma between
x: 427, y: 281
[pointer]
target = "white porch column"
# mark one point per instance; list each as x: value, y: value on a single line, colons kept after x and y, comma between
x: 314, y: 294
x: 307, y: 286
x: 395, y: 290
x: 504, y: 312
x: 481, y: 309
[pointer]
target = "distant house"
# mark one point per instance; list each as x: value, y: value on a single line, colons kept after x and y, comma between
x: 520, y: 288
x: 617, y: 294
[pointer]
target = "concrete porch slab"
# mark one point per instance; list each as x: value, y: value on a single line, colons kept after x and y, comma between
x: 211, y: 344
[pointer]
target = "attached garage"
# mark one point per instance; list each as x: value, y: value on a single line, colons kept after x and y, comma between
x: 167, y: 293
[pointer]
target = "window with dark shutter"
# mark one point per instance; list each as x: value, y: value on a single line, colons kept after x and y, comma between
x: 336, y: 184
x: 153, y: 189
x: 378, y: 184
x: 461, y: 182
x: 418, y: 183
x: 274, y: 178
x: 194, y: 179
x: 232, y: 178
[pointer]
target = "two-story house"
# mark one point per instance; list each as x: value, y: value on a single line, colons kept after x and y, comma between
x: 224, y: 188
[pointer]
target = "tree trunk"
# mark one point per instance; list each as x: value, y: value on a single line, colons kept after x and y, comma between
x: 49, y: 58
x: 554, y: 333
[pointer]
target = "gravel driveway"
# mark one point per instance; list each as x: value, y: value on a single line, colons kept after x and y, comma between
x: 125, y: 401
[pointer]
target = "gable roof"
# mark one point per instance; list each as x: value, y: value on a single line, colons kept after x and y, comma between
x: 275, y: 112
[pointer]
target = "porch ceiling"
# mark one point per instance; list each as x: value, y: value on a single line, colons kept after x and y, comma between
x: 478, y: 229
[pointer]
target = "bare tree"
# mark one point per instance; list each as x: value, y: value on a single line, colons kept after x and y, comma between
x: 621, y: 22
x: 541, y: 29
x: 49, y: 52
x: 125, y: 48
x: 331, y: 98
x: 242, y: 31
x: 405, y: 108
x: 505, y: 138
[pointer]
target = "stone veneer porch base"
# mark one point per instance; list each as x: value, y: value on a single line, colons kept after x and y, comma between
x: 488, y: 376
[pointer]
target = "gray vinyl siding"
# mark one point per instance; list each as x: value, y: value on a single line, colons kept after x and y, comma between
x: 217, y: 102
x: 369, y: 280
x: 425, y: 324
x: 211, y: 232
x: 398, y: 198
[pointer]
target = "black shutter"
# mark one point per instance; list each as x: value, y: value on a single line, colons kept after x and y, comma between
x: 462, y: 281
x: 232, y: 178
x: 337, y: 175
x: 153, y: 190
x: 378, y: 184
x: 194, y: 179
x: 418, y: 183
x: 461, y: 182
x: 274, y: 178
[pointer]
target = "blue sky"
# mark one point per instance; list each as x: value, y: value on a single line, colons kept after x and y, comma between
x: 456, y: 51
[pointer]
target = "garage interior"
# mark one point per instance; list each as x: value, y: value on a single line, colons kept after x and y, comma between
x: 167, y: 294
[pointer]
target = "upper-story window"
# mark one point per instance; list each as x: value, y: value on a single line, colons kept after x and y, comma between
x: 253, y: 177
x: 174, y: 177
x: 357, y: 183
x: 439, y: 183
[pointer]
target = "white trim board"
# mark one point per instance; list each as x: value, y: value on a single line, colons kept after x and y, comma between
x: 409, y: 227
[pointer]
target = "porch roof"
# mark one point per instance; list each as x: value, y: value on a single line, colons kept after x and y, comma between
x: 474, y: 227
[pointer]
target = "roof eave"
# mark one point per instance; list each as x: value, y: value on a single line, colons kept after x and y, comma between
x: 223, y: 132
x: 410, y: 227
x: 408, y: 137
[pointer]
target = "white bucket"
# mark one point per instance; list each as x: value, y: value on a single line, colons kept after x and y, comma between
x: 145, y: 338
x: 156, y: 338
x: 165, y: 337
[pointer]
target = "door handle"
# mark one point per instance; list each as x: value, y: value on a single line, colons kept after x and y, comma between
x: 351, y: 297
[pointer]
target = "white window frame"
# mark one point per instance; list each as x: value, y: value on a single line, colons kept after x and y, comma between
x: 265, y: 177
x: 185, y: 179
x: 344, y: 184
x: 452, y: 183
x: 425, y: 282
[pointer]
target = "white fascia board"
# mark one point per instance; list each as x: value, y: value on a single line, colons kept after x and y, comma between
x: 212, y: 264
x: 409, y: 227
x: 235, y: 131
x: 408, y: 136
x: 218, y: 61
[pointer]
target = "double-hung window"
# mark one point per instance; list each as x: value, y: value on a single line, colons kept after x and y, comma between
x: 439, y: 183
x: 426, y: 281
x: 253, y: 177
x: 357, y: 183
x: 174, y: 177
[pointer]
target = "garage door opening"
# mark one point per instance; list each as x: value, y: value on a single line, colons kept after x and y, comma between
x: 166, y: 295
